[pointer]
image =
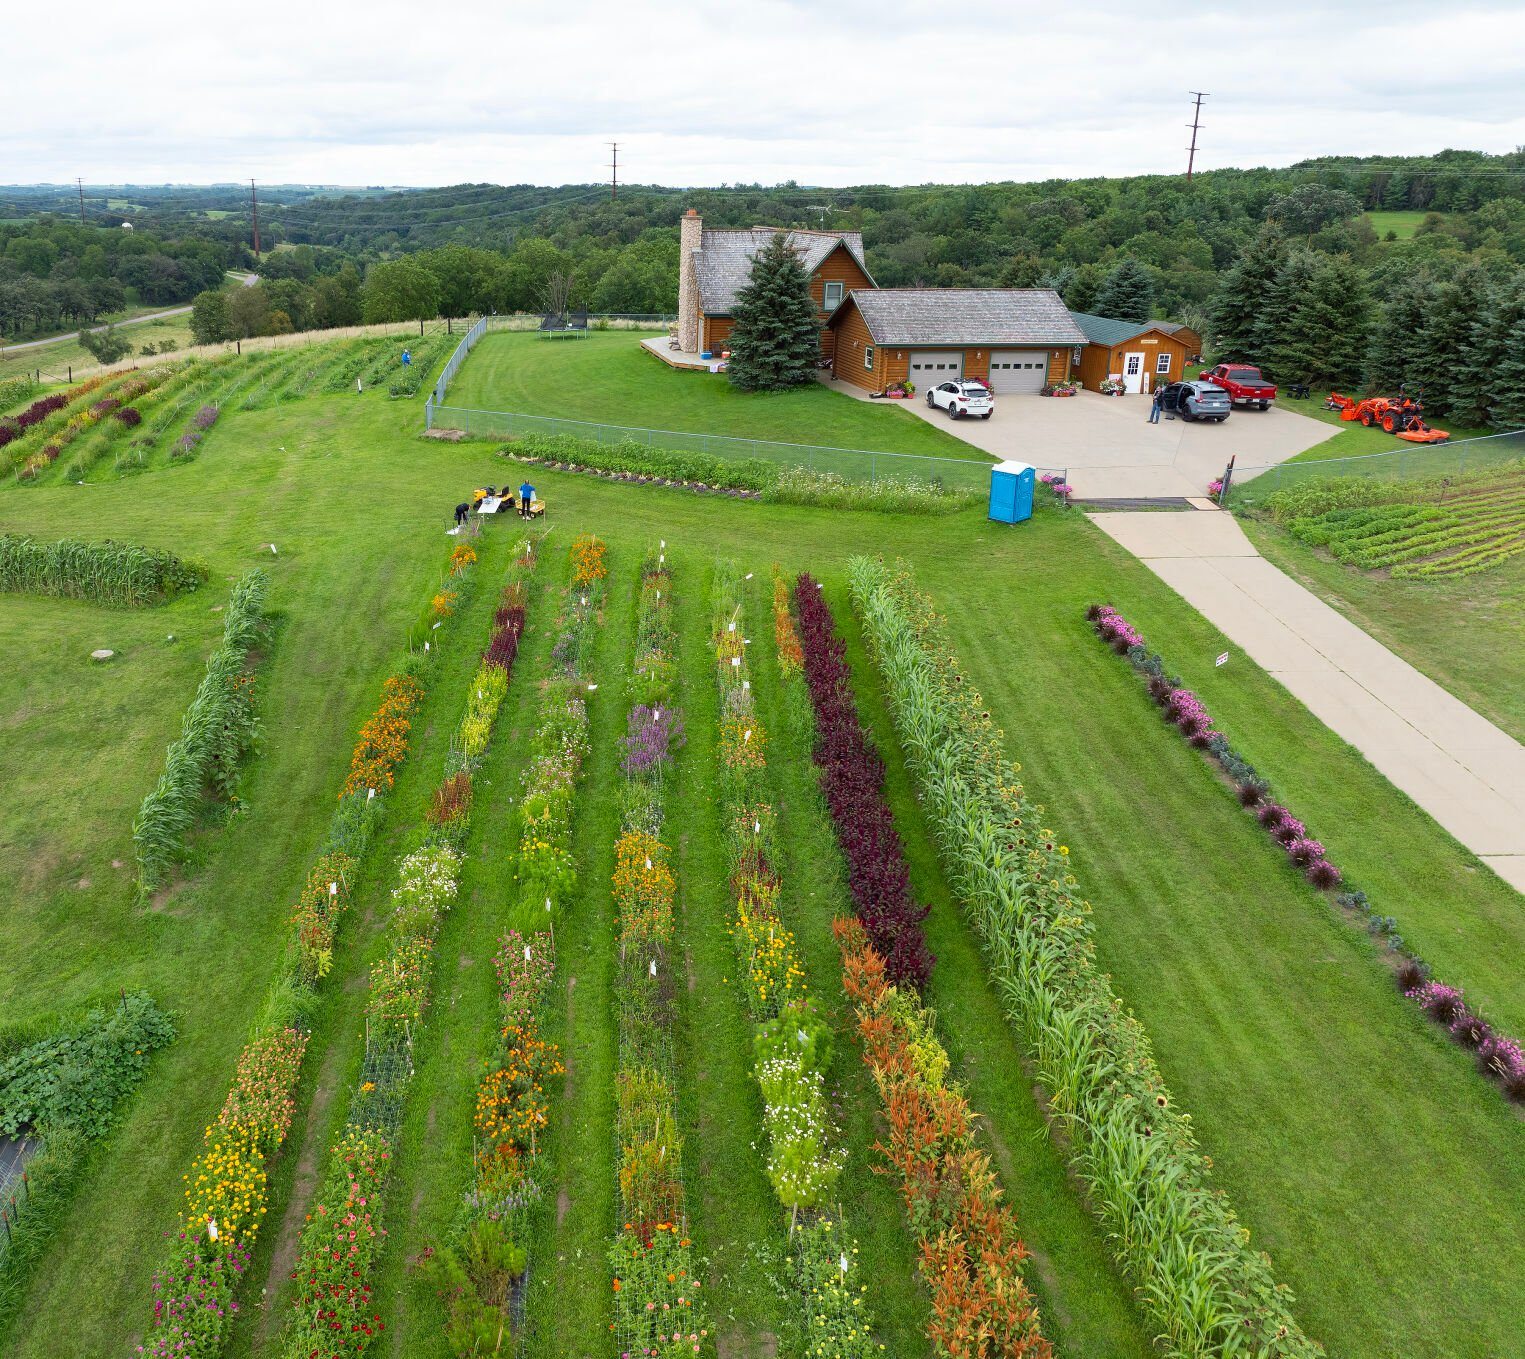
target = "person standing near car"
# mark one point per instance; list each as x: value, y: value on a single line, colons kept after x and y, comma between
x: 1156, y: 402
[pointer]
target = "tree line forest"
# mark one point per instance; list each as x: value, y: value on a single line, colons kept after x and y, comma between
x: 1299, y: 268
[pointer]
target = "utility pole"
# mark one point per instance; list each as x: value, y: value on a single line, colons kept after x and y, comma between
x: 1196, y: 122
x: 81, y: 184
x: 822, y: 208
x: 254, y: 200
x: 614, y: 168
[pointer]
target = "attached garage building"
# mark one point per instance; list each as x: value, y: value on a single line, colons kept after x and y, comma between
x: 1016, y: 339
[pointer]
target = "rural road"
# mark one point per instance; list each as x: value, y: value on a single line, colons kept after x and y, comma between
x: 249, y: 281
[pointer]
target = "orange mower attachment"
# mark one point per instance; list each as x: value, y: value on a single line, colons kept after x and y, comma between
x: 1399, y: 415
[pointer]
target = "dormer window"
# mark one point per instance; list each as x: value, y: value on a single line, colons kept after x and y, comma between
x: 831, y: 295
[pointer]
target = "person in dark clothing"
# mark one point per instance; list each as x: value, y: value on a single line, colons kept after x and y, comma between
x: 1155, y: 404
x: 526, y: 499
x: 461, y: 511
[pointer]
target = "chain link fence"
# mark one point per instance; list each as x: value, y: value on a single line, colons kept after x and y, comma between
x: 1410, y: 462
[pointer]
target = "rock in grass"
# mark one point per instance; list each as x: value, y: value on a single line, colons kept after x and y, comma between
x: 101, y: 655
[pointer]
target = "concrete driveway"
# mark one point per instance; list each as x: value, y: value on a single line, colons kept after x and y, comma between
x: 1113, y: 452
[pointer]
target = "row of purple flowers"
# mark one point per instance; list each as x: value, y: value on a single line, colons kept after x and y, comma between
x: 852, y: 779
x: 1498, y: 1056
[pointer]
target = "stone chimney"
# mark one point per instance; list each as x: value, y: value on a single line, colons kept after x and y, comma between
x: 690, y: 236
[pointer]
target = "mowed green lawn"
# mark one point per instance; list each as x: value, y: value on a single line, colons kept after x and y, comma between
x: 1401, y: 224
x: 1363, y: 1152
x: 606, y: 378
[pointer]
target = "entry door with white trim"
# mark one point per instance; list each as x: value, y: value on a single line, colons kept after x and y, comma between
x: 1133, y: 372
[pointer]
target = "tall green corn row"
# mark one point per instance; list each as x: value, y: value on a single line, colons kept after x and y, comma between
x: 1174, y: 1236
x: 122, y: 574
x: 219, y: 726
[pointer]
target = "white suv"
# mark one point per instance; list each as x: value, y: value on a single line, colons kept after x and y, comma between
x: 962, y: 398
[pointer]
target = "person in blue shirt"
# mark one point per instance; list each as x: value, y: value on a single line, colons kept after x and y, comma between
x: 407, y: 358
x: 526, y: 499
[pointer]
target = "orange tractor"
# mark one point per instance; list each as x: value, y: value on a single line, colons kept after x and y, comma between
x: 1402, y: 415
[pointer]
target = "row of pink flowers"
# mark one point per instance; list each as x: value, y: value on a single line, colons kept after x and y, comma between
x: 1498, y: 1056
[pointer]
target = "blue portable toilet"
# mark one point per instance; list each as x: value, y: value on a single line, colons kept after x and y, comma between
x: 1011, y: 492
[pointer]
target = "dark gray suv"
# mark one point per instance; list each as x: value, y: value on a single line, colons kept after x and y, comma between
x: 1196, y: 401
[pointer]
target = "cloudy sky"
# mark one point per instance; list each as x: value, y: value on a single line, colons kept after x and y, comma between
x: 740, y: 91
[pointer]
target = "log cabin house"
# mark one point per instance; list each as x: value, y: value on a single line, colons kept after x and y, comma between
x: 714, y: 264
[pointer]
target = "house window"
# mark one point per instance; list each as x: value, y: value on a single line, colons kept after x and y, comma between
x: 868, y: 357
x: 831, y: 297
x: 1162, y: 362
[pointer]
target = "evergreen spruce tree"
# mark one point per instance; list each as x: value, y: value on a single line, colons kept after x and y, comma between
x: 1507, y: 408
x: 1477, y: 386
x: 1281, y: 352
x: 1324, y: 333
x: 1393, y: 351
x: 1127, y: 293
x: 1441, y: 349
x: 1237, y: 305
x: 776, y: 339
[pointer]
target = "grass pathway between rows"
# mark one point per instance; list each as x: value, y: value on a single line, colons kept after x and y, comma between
x: 337, y: 1045
x: 433, y: 1157
x: 568, y: 1305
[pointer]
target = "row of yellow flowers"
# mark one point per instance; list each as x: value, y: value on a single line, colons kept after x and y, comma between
x: 792, y: 1045
x: 227, y: 1188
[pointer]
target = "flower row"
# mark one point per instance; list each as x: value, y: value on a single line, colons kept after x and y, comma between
x: 45, y: 415
x: 792, y: 1046
x: 1203, y: 1288
x: 1498, y: 1056
x: 333, y: 1310
x: 657, y: 1307
x: 481, y: 1266
x: 194, y: 1291
x: 852, y: 779
x: 971, y: 1254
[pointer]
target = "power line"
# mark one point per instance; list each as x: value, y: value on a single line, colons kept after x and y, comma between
x: 254, y: 203
x: 1196, y: 122
x: 80, y: 184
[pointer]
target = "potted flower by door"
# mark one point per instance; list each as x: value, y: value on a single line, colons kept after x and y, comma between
x: 1112, y: 387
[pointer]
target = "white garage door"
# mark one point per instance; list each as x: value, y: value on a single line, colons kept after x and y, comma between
x: 934, y: 366
x: 1019, y: 371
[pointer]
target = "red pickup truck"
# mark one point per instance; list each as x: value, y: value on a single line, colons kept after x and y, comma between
x: 1243, y: 383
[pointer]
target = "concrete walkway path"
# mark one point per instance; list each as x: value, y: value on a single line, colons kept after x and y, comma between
x: 1458, y: 766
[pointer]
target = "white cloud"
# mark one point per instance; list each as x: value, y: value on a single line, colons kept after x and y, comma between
x: 696, y: 93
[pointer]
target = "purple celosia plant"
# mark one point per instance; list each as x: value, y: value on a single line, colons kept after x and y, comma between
x: 206, y: 417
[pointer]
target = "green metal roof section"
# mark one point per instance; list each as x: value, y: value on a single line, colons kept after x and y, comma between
x: 1104, y: 330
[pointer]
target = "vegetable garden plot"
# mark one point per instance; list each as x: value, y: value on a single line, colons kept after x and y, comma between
x: 1423, y: 531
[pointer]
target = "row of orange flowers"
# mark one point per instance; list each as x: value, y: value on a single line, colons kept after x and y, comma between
x: 227, y: 1187
x: 792, y: 1045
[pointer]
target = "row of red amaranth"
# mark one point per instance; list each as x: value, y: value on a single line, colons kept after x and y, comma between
x: 227, y: 1188
x: 852, y: 779
x: 1498, y: 1056
x: 970, y: 1254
